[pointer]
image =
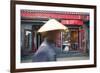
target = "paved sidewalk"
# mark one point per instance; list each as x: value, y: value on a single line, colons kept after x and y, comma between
x: 73, y: 58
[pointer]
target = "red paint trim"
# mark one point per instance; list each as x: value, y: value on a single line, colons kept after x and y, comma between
x: 53, y: 15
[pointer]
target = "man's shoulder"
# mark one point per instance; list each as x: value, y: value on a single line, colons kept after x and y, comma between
x: 43, y: 48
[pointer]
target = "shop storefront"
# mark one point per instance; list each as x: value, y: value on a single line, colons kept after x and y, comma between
x: 77, y: 39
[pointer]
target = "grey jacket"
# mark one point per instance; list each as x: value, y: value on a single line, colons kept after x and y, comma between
x: 46, y: 52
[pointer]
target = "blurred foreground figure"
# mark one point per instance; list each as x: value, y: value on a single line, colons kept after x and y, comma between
x: 47, y: 50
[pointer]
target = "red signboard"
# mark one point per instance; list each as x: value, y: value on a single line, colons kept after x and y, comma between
x: 53, y: 15
x: 72, y: 22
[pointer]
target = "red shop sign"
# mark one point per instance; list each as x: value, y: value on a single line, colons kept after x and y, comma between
x: 53, y: 15
x: 72, y: 22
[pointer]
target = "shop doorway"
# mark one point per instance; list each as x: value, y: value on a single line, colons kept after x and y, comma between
x: 70, y: 40
x: 74, y: 39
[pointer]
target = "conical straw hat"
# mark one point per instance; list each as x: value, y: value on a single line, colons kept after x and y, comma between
x: 51, y: 25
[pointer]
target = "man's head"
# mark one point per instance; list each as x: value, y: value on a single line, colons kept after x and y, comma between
x: 50, y: 35
x: 51, y: 29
